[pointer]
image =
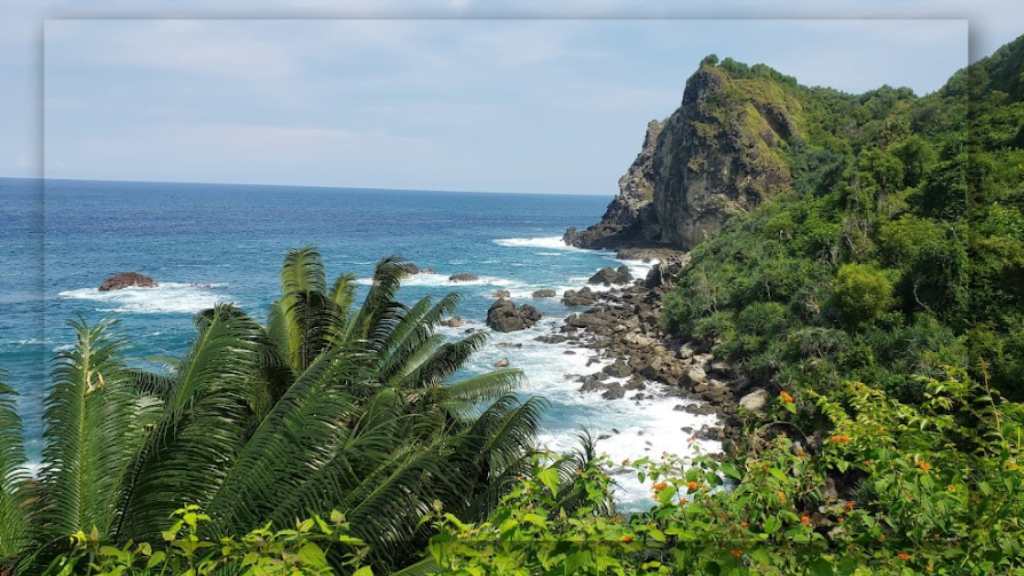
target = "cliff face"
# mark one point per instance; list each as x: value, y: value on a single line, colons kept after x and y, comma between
x: 720, y: 153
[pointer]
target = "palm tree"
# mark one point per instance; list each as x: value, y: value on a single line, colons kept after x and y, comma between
x: 326, y: 407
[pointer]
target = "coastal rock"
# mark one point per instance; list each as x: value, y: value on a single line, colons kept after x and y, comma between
x: 609, y: 276
x: 755, y: 401
x: 583, y: 297
x: 463, y: 277
x: 127, y: 280
x: 544, y: 293
x: 503, y: 363
x: 501, y: 294
x: 504, y: 316
x: 715, y: 156
x: 428, y: 271
x: 410, y: 269
x: 453, y: 322
x: 618, y: 369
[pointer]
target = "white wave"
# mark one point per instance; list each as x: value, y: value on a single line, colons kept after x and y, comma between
x: 551, y: 242
x: 442, y: 280
x: 631, y: 428
x: 169, y: 297
x: 547, y: 253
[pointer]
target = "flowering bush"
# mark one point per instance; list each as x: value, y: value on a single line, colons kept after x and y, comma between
x: 896, y: 489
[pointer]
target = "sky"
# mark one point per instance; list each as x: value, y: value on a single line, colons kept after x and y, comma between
x: 552, y: 97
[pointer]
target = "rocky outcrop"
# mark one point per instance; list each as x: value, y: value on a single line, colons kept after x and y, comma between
x: 545, y: 293
x: 127, y: 280
x: 583, y: 297
x: 608, y: 276
x: 722, y: 152
x: 504, y: 316
x: 453, y: 322
x: 463, y: 277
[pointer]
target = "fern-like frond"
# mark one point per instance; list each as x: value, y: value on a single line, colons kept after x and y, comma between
x: 15, y: 529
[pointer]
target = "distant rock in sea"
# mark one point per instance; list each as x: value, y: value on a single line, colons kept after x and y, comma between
x: 127, y: 280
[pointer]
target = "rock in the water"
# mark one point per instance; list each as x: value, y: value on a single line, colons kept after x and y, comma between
x: 428, y: 271
x: 463, y: 277
x: 755, y: 401
x: 544, y: 293
x: 503, y: 363
x: 583, y: 297
x: 501, y: 294
x: 127, y: 280
x: 504, y: 316
x: 453, y: 322
x: 618, y: 369
x: 609, y: 276
x: 410, y: 269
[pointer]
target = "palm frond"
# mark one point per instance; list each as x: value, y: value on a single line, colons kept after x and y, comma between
x: 15, y: 529
x: 201, y: 429
x: 90, y: 431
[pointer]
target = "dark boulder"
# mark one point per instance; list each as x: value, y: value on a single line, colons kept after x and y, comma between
x: 127, y: 280
x: 544, y: 294
x: 500, y: 294
x: 463, y: 277
x: 410, y: 269
x: 504, y: 316
x: 583, y: 297
x: 609, y: 276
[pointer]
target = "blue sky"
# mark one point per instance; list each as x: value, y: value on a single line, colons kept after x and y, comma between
x: 515, y: 105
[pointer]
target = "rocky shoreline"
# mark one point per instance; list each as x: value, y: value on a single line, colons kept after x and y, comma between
x: 623, y: 323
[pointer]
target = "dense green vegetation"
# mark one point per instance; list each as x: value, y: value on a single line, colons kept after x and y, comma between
x: 899, y: 250
x: 881, y: 297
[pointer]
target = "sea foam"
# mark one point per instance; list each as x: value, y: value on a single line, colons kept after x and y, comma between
x: 168, y: 298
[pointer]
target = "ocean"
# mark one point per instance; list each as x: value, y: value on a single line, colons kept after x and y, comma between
x: 209, y: 243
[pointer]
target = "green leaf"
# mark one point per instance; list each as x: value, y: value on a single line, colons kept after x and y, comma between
x: 311, y: 554
x: 821, y: 567
x: 730, y: 471
x: 772, y: 525
x: 549, y: 476
x: 364, y: 571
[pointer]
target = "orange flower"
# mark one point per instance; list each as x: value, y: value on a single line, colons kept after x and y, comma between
x: 627, y: 539
x: 737, y: 553
x: 867, y: 462
x: 660, y: 486
x: 579, y: 470
x: 625, y: 462
x: 521, y: 477
x: 744, y: 524
x: 841, y: 520
x: 849, y: 506
x: 923, y: 465
x: 799, y: 452
x: 882, y: 537
x: 692, y: 485
x: 805, y: 519
x: 785, y: 396
x: 903, y: 556
x: 951, y: 487
x: 683, y: 500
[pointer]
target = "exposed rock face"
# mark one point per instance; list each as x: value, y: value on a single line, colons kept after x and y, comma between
x: 608, y: 276
x: 719, y: 154
x: 463, y: 277
x: 410, y: 269
x: 453, y: 322
x: 546, y: 293
x: 504, y: 316
x: 127, y: 280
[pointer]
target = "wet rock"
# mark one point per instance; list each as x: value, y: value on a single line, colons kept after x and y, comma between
x: 463, y: 277
x: 509, y: 345
x: 127, y: 280
x: 618, y: 369
x: 569, y: 353
x: 501, y: 294
x: 410, y: 269
x: 614, y: 392
x: 551, y: 338
x: 453, y: 322
x: 583, y: 297
x: 608, y: 276
x: 544, y: 293
x: 504, y: 316
x: 503, y: 363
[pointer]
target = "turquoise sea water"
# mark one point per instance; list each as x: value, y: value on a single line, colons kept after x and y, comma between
x: 62, y: 239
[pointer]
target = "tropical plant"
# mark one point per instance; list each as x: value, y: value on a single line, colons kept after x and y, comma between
x: 325, y: 408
